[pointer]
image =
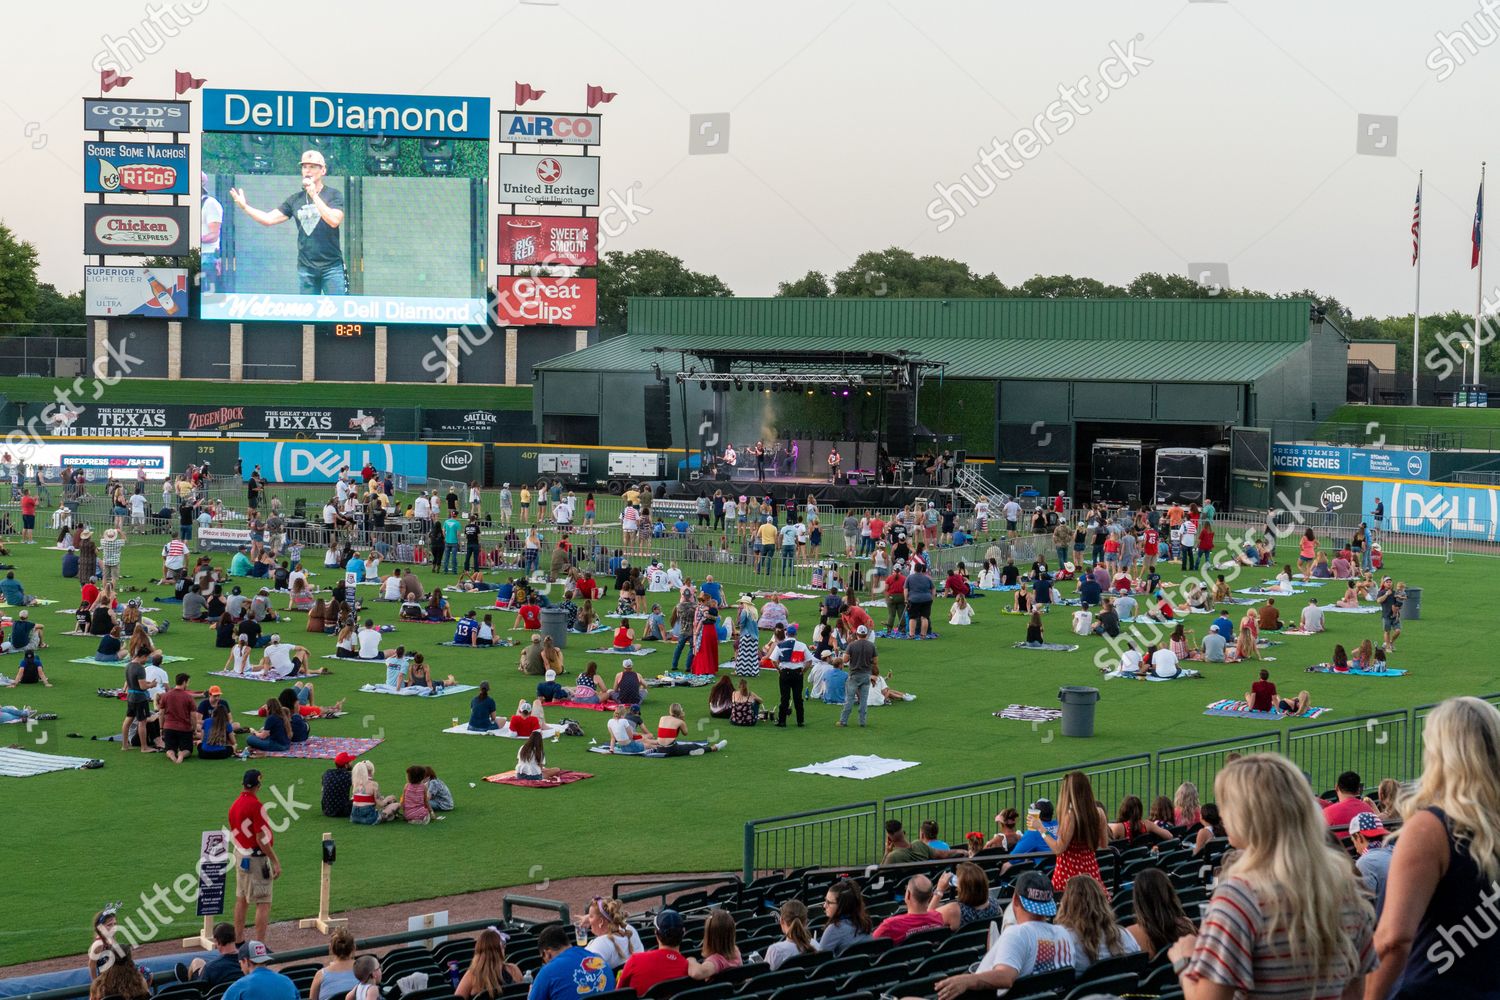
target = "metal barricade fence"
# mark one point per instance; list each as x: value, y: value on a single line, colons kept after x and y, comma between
x: 956, y: 809
x: 1200, y: 763
x: 1112, y: 779
x: 1376, y: 746
x: 843, y: 835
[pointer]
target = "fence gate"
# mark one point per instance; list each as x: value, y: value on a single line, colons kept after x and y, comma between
x: 1249, y: 468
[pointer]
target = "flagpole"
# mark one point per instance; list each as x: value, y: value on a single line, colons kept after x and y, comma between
x: 1479, y: 293
x: 1416, y: 325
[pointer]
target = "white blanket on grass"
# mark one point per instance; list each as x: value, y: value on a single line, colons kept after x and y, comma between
x: 857, y: 766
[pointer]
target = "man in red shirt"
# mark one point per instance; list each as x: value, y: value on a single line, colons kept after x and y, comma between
x: 1150, y: 542
x: 255, y: 863
x: 1349, y: 804
x: 28, y: 516
x: 645, y: 969
x: 919, y: 913
x: 1262, y: 696
x: 523, y: 723
x: 877, y: 531
x: 854, y: 616
x: 179, y: 720
x: 956, y: 583
x: 528, y: 615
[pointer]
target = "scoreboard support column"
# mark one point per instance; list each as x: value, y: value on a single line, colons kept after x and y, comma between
x: 309, y: 353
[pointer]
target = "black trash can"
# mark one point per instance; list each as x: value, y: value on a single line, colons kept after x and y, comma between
x: 555, y: 624
x: 1078, y: 710
x: 1412, y: 609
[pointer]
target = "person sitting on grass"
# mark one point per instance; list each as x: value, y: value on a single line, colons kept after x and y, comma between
x: 586, y: 691
x: 1350, y: 598
x: 549, y: 690
x: 31, y: 671
x: 624, y: 639
x: 627, y: 689
x: 466, y: 632
x: 367, y: 806
x: 437, y: 607
x: 745, y: 707
x: 961, y: 612
x: 416, y: 804
x: 275, y: 737
x: 482, y: 711
x: 625, y: 736
x: 531, y: 761
x: 1034, y: 635
x: 670, y: 729
x: 1270, y: 616
x: 1340, y: 661
x: 656, y: 624
x: 282, y: 660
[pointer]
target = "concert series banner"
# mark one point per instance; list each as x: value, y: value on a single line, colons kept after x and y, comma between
x: 171, y: 420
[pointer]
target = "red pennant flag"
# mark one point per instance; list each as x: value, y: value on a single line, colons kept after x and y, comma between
x: 598, y: 95
x: 109, y: 80
x: 187, y: 81
x: 525, y: 92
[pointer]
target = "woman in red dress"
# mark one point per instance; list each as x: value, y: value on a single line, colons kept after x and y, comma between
x: 706, y: 634
x: 1082, y: 829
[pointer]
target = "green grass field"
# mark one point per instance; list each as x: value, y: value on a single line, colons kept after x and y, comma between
x: 77, y: 840
x: 1469, y: 427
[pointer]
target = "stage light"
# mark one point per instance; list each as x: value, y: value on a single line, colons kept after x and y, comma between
x: 258, y: 148
x: 437, y: 156
x: 702, y: 384
x: 381, y: 153
x: 738, y: 385
x: 656, y: 371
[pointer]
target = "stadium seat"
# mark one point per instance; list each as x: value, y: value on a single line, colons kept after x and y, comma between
x: 1045, y: 982
x: 907, y: 952
x: 973, y: 936
x: 1125, y: 982
x: 708, y: 991
x: 874, y: 946
x: 441, y: 992
x: 816, y: 989
x: 670, y: 988
x: 840, y: 968
x: 769, y: 981
x: 806, y: 960
x: 1134, y: 965
x: 932, y: 937
x: 878, y: 977
x: 919, y: 986
x: 460, y: 950
x: 742, y: 973
x: 1162, y: 977
x: 216, y: 992
x: 947, y: 963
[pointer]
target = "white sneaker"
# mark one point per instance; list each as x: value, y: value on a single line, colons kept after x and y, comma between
x: 721, y: 744
x: 908, y: 697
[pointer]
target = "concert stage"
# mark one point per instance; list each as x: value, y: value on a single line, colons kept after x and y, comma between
x: 828, y: 494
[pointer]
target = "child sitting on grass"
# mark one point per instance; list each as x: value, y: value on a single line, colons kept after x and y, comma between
x: 415, y: 804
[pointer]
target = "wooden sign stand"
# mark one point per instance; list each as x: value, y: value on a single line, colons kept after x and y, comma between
x: 323, y: 922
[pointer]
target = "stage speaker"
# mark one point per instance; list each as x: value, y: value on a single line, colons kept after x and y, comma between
x: 658, y: 416
x: 900, y: 424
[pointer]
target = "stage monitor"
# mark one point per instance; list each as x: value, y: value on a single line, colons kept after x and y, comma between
x: 344, y: 208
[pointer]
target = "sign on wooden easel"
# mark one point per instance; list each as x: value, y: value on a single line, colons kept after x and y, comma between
x: 213, y: 869
x: 323, y: 922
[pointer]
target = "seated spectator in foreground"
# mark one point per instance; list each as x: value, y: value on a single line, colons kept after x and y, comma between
x: 1031, y: 945
x: 1160, y: 919
x: 973, y: 902
x: 488, y: 972
x: 549, y: 690
x: 1213, y: 827
x: 918, y: 898
x: 224, y: 967
x: 568, y: 970
x: 848, y: 921
x: 1312, y: 616
x: 1270, y: 616
x: 338, y: 785
x: 610, y: 936
x: 719, y: 950
x: 1349, y: 801
x: 1085, y: 911
x: 645, y: 969
x: 15, y: 595
x: 31, y: 671
x: 796, y: 939
x: 335, y: 980
x: 1130, y: 824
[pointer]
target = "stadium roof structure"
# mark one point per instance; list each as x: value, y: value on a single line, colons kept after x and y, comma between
x: 1146, y: 340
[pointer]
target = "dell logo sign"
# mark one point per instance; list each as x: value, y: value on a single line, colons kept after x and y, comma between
x: 1414, y: 465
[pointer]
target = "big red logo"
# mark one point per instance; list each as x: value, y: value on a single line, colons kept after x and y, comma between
x: 526, y: 301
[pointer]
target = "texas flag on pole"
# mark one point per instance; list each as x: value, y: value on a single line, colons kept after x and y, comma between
x: 525, y: 92
x: 1478, y: 235
x: 598, y: 95
x: 110, y: 79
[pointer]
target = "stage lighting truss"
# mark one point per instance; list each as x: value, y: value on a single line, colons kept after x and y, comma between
x: 770, y: 380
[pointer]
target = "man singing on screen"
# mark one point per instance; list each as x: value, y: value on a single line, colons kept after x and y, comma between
x: 319, y: 211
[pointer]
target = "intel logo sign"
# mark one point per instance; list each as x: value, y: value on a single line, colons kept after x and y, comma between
x: 1336, y: 497
x: 456, y: 460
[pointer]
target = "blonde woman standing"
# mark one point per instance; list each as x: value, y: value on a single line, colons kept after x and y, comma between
x: 1289, y: 918
x: 1440, y: 893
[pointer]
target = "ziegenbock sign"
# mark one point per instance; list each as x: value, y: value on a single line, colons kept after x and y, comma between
x: 111, y: 115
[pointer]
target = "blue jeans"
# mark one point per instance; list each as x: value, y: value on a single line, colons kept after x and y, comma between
x: 257, y: 743
x: 450, y: 559
x: 329, y: 281
x: 786, y: 557
x: 682, y: 643
x: 856, y: 691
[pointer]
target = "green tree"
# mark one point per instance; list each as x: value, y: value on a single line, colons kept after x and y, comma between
x: 18, y: 292
x: 1152, y: 285
x: 57, y: 315
x: 812, y: 285
x: 622, y: 274
x: 899, y: 273
x: 1065, y: 286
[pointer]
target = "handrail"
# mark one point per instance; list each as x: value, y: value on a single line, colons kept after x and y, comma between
x: 660, y: 890
x: 509, y: 903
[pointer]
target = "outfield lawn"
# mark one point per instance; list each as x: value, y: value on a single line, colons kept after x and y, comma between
x: 197, y: 392
x: 1476, y: 428
x: 77, y: 840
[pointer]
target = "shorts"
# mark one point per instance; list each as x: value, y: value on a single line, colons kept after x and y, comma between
x: 1389, y: 622
x: 139, y: 710
x: 919, y: 609
x: 252, y: 879
x: 364, y: 815
x: 178, y: 740
x: 28, y: 521
x: 1010, y: 525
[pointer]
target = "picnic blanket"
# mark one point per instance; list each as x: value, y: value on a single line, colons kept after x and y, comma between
x: 603, y: 706
x: 74, y: 611
x: 784, y: 596
x: 463, y: 730
x: 633, y: 618
x: 1046, y: 647
x: 18, y: 763
x: 886, y: 634
x: 250, y: 677
x: 857, y: 766
x: 497, y: 644
x: 1268, y: 591
x: 1327, y: 668
x: 124, y: 660
x: 1240, y: 709
x: 418, y: 690
x: 327, y: 747
x: 676, y: 678
x: 652, y: 754
x: 562, y: 778
x: 1029, y: 713
x: 1372, y: 609
x: 623, y: 652
x: 352, y: 659
x: 1131, y: 675
x: 1014, y: 586
x: 1295, y: 631
x: 37, y: 602
x: 1238, y: 600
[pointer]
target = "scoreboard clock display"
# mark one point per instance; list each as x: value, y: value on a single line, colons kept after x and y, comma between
x: 344, y: 329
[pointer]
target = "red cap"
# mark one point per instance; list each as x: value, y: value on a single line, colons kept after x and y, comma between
x: 344, y: 759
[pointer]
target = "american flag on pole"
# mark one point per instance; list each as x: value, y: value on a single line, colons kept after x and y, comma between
x: 1478, y: 236
x: 1416, y: 225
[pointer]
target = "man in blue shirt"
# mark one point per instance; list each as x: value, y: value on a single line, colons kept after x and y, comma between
x: 714, y: 590
x: 355, y: 565
x: 1088, y: 591
x: 224, y: 967
x: 451, y: 528
x: 260, y: 982
x: 466, y: 633
x: 1223, y: 626
x: 240, y: 564
x: 1031, y: 841
x: 569, y: 971
x: 13, y: 592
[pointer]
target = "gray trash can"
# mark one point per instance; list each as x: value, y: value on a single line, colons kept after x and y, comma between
x: 1412, y: 609
x: 1078, y: 710
x: 555, y: 624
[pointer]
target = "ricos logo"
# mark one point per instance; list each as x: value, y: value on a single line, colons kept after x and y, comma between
x: 1337, y: 496
x: 136, y: 177
x: 457, y: 460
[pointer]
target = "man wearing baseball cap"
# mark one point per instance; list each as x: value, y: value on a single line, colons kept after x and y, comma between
x: 338, y: 787
x: 1030, y: 946
x: 260, y: 981
x: 645, y: 969
x: 255, y: 863
x: 1374, y: 861
x: 860, y: 657
x: 319, y: 211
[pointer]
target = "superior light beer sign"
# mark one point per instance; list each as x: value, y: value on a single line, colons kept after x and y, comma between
x: 329, y: 113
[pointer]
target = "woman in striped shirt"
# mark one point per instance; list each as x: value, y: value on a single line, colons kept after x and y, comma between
x: 1288, y: 918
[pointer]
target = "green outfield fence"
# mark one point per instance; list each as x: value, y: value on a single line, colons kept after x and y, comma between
x: 1377, y: 746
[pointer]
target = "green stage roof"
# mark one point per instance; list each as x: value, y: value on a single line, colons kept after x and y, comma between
x: 1143, y: 340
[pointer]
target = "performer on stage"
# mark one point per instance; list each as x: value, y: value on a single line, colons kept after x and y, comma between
x: 730, y: 458
x: 789, y: 466
x: 760, y: 461
x: 833, y: 463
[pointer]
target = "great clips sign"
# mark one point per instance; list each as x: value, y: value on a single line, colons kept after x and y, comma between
x: 522, y: 300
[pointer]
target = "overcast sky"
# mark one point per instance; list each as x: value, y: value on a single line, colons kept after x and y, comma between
x: 1230, y: 138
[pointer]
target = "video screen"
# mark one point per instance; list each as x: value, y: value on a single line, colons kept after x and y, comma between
x: 343, y: 228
